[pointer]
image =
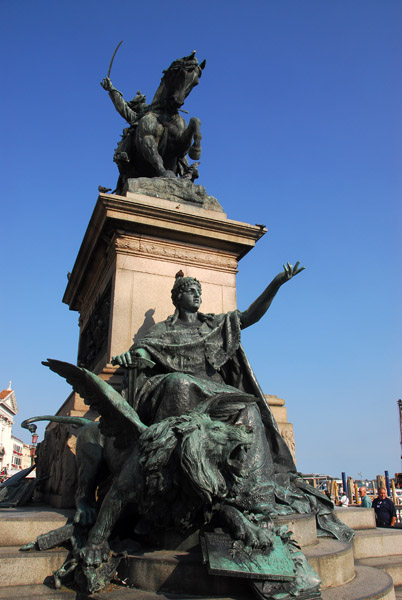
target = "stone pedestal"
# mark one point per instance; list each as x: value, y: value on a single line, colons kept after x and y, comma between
x: 280, y: 412
x: 125, y: 269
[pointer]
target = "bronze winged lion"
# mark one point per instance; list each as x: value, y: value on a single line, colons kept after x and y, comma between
x: 177, y: 472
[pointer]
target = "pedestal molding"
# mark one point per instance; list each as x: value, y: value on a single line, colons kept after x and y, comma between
x: 173, y: 252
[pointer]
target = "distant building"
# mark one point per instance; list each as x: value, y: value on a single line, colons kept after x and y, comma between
x: 8, y: 410
x: 27, y: 458
x: 16, y: 456
x: 14, y: 453
x: 21, y: 457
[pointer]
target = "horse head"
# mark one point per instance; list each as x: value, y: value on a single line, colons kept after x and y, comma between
x: 178, y: 81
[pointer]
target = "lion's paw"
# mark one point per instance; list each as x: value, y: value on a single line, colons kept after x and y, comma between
x: 252, y: 535
x: 257, y: 537
x: 94, y: 555
x: 243, y: 529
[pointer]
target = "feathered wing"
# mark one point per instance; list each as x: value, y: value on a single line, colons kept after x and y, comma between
x: 118, y: 418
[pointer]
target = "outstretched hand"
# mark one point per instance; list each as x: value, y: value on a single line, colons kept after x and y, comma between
x: 260, y: 306
x: 289, y: 271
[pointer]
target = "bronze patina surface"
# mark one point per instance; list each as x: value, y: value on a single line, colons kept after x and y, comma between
x: 157, y: 140
x: 192, y: 444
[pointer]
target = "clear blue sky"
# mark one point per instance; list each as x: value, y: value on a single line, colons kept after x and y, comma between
x: 300, y: 104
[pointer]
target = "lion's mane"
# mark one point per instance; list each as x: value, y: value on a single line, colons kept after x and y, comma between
x: 182, y: 461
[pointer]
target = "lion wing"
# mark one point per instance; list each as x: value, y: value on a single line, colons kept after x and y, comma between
x: 118, y: 418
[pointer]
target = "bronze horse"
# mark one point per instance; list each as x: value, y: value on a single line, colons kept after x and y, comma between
x: 158, y: 139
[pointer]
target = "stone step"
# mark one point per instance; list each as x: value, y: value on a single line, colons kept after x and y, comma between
x: 391, y: 564
x: 356, y: 517
x: 26, y: 568
x: 303, y: 527
x: 21, y: 525
x: 171, y: 570
x: 112, y: 592
x: 368, y: 584
x: 119, y: 593
x: 333, y: 561
x: 167, y: 571
x: 377, y: 542
x: 35, y: 592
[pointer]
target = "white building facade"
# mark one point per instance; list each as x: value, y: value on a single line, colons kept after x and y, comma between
x: 8, y: 410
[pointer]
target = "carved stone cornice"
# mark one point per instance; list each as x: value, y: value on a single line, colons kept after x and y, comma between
x: 163, y: 215
x: 171, y: 252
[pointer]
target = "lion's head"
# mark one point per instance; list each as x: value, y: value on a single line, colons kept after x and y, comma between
x: 211, y: 454
x: 189, y: 461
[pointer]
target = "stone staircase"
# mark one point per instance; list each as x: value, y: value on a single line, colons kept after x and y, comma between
x: 365, y: 569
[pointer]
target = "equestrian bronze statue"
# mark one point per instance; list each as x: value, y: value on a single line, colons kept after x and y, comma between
x: 158, y: 140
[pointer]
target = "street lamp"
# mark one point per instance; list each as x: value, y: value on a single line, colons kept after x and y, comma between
x: 32, y: 450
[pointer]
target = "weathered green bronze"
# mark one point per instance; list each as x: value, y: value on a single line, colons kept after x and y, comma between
x: 193, y: 446
x: 158, y: 139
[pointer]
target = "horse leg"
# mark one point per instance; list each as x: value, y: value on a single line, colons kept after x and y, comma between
x: 195, y: 150
x: 150, y: 153
x: 186, y: 139
x: 149, y: 133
